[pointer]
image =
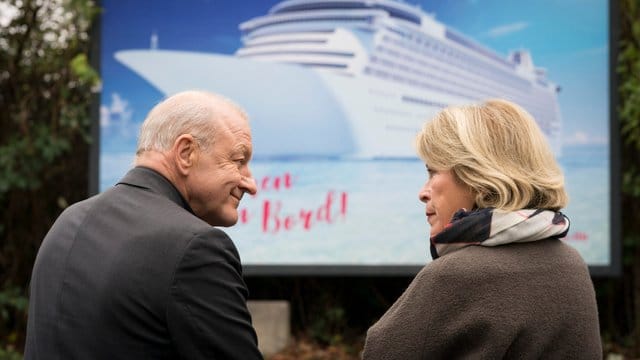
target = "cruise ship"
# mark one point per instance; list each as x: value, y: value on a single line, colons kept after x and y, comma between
x: 351, y: 78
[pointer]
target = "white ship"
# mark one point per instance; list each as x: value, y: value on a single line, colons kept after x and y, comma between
x: 350, y: 78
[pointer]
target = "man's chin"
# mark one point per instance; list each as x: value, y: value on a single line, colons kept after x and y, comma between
x: 227, y: 224
x: 228, y: 221
x: 225, y: 221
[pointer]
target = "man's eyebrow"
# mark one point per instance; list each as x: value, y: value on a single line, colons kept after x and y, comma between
x: 244, y: 149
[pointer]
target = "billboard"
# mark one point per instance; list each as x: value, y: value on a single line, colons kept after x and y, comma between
x: 335, y: 92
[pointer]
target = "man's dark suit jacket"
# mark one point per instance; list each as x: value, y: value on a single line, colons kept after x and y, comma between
x: 132, y: 273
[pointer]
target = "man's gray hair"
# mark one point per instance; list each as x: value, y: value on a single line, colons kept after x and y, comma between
x: 190, y: 112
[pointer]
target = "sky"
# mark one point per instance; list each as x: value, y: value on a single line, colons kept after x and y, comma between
x: 569, y: 38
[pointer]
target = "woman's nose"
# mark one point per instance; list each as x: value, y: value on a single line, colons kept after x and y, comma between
x: 425, y: 193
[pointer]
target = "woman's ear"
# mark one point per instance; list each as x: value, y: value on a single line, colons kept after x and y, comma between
x: 185, y: 153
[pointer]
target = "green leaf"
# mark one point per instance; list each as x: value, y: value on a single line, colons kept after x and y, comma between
x: 81, y: 68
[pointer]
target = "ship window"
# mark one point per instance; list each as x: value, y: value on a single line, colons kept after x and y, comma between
x: 393, y: 11
x: 279, y: 42
x: 320, y: 19
x: 400, y: 14
x: 307, y: 52
x: 319, y: 6
x: 280, y: 30
x: 311, y: 64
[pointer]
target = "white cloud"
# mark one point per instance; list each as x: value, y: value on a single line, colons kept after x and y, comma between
x: 105, y: 116
x: 117, y: 113
x: 599, y: 51
x: 119, y: 105
x: 507, y: 29
x: 117, y: 116
x: 583, y: 138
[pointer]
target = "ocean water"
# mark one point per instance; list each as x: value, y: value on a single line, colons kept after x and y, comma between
x: 341, y: 212
x: 587, y: 178
x: 362, y: 212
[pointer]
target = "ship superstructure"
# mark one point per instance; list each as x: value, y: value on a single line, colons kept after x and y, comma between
x: 378, y: 68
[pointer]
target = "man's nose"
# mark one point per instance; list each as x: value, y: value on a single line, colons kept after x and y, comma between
x: 248, y: 184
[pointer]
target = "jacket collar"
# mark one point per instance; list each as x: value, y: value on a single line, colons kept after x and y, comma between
x: 149, y: 179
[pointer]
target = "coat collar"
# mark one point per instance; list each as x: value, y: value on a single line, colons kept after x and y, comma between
x: 149, y: 179
x: 494, y: 227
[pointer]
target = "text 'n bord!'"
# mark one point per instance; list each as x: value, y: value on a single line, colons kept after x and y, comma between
x: 274, y: 217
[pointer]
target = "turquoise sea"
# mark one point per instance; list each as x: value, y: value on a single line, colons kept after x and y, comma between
x: 368, y: 213
x: 339, y: 212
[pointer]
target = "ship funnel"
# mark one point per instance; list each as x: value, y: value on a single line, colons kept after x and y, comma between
x: 153, y: 42
x: 522, y: 58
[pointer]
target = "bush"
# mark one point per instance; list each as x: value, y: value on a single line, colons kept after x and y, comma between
x: 46, y: 88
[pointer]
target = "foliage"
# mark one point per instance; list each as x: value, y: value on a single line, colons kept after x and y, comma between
x: 12, y: 298
x: 329, y: 327
x: 12, y: 303
x: 46, y: 88
x: 329, y: 315
x: 306, y: 349
x: 628, y: 69
x: 619, y: 299
x: 10, y: 354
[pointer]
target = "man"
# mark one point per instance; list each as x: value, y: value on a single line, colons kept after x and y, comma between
x: 139, y: 271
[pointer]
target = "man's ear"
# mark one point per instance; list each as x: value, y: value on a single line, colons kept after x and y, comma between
x: 185, y: 152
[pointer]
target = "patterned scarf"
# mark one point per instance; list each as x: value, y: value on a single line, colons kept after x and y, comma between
x: 491, y: 227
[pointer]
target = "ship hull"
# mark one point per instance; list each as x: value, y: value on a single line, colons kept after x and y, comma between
x: 297, y: 111
x: 291, y: 111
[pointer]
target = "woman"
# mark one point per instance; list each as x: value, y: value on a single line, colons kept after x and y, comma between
x: 503, y: 284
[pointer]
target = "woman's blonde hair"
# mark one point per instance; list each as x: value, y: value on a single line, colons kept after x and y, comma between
x: 498, y: 151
